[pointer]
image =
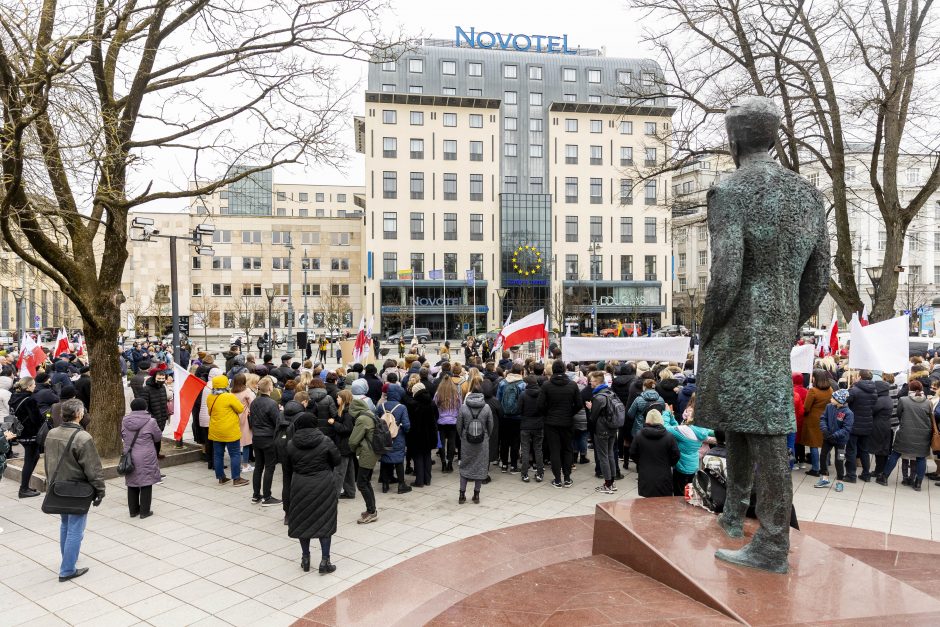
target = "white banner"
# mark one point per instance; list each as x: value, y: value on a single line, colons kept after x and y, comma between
x: 801, y: 358
x: 626, y: 348
x: 881, y: 346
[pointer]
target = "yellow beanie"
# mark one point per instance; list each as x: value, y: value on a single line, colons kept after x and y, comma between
x: 219, y: 382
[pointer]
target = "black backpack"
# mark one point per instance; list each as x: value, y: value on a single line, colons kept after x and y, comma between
x: 657, y: 405
x: 381, y: 437
x: 474, y: 431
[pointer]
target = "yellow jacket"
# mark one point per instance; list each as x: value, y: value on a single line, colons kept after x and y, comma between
x: 223, y: 417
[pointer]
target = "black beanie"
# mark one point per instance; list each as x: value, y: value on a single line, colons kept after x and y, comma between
x: 138, y: 404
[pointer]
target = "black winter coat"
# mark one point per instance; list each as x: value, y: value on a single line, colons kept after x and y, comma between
x: 323, y: 405
x: 24, y: 406
x: 46, y: 397
x: 264, y: 414
x: 375, y: 388
x: 83, y: 390
x: 497, y: 410
x: 862, y: 398
x: 155, y: 395
x: 309, y: 463
x: 655, y: 452
x: 285, y: 428
x: 879, y: 443
x: 532, y: 419
x: 621, y: 387
x: 668, y: 390
x: 137, y: 383
x: 636, y: 388
x: 422, y: 412
x: 342, y: 427
x: 559, y: 400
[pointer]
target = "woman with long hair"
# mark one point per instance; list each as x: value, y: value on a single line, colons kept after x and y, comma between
x: 817, y: 398
x: 245, y: 395
x: 447, y: 401
x: 344, y: 475
x: 473, y: 378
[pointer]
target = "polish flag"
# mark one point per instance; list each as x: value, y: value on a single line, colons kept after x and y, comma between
x: 834, y: 335
x: 186, y: 389
x: 360, y: 340
x: 545, y: 339
x: 864, y: 319
x: 31, y: 356
x: 527, y: 329
x: 498, y: 342
x: 367, y: 343
x: 61, y: 344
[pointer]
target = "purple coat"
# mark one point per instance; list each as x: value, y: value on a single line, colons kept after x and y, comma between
x: 146, y: 467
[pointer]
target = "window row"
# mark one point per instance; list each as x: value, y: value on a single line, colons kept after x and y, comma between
x: 301, y: 196
x: 595, y: 269
x: 337, y: 238
x: 453, y: 271
x: 416, y: 118
x: 416, y: 149
x: 597, y: 126
x: 596, y: 155
x: 416, y: 185
x: 417, y: 226
x: 596, y: 191
x: 256, y: 289
x: 702, y: 259
x: 511, y: 71
x: 277, y: 263
x: 597, y: 229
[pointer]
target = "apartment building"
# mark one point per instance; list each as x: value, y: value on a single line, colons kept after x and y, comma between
x: 517, y: 172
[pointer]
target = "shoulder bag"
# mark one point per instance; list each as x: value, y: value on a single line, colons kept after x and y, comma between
x: 935, y: 437
x: 67, y: 496
x: 126, y: 463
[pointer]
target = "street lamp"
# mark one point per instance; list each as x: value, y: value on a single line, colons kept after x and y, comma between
x: 269, y: 292
x: 691, y: 292
x: 501, y: 293
x: 290, y: 298
x: 594, y: 248
x: 19, y: 295
x: 305, y: 264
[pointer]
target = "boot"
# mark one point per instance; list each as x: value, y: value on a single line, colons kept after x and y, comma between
x: 882, y: 479
x: 326, y: 567
x: 584, y: 460
x: 384, y: 487
x: 462, y: 499
x: 917, y: 483
x: 476, y: 497
x: 305, y: 563
x: 403, y: 488
x: 907, y: 480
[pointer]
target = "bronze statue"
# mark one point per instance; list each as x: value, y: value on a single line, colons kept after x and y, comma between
x: 770, y: 271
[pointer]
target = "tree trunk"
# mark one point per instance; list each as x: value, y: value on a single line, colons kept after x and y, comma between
x: 107, y: 390
x: 886, y: 294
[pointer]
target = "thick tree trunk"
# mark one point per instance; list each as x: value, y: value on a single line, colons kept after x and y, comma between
x: 888, y: 286
x: 107, y: 389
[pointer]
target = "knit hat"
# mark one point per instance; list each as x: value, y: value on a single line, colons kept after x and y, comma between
x: 157, y: 369
x: 653, y: 417
x: 138, y: 404
x: 42, y: 377
x: 67, y: 392
x: 219, y: 382
x: 359, y: 387
x: 841, y: 396
x: 352, y: 377
x: 417, y: 387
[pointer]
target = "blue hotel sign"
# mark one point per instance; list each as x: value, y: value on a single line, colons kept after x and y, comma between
x: 556, y: 44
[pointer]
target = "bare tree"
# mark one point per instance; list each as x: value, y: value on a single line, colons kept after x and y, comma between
x: 849, y: 76
x: 137, y: 308
x: 159, y: 309
x: 89, y: 96
x: 204, y: 309
x: 246, y: 310
x: 334, y: 306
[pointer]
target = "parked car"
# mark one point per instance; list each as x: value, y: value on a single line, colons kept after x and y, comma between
x: 671, y: 330
x: 423, y: 334
x: 628, y: 328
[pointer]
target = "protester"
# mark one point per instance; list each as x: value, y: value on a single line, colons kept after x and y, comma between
x: 655, y: 452
x: 345, y: 473
x: 559, y: 400
x: 862, y: 399
x: 360, y: 442
x: 154, y: 393
x: 689, y: 438
x: 836, y: 426
x: 224, y: 431
x: 447, y: 401
x: 817, y: 399
x: 24, y: 407
x: 245, y: 396
x: 601, y: 423
x: 531, y: 431
x: 884, y: 424
x: 263, y: 417
x: 421, y: 439
x: 913, y: 438
x: 393, y: 462
x: 140, y: 434
x: 510, y: 393
x: 474, y: 424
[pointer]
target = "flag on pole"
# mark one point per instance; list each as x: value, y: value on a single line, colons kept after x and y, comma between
x: 545, y: 339
x: 864, y: 319
x: 636, y: 330
x: 498, y: 342
x: 81, y: 349
x: 471, y: 278
x: 527, y: 329
x: 360, y: 340
x: 405, y: 274
x: 436, y: 274
x: 31, y: 356
x: 367, y: 345
x: 61, y: 343
x: 833, y: 344
x: 186, y: 389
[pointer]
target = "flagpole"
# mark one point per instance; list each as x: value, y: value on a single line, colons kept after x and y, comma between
x: 473, y: 286
x: 414, y: 315
x: 444, y: 283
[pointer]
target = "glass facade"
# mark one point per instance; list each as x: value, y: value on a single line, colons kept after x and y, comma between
x: 250, y: 196
x: 526, y: 251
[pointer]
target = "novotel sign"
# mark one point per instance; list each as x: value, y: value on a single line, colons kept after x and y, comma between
x: 556, y: 44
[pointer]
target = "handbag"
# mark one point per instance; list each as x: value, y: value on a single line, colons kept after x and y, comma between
x: 935, y: 437
x: 67, y: 496
x: 126, y: 463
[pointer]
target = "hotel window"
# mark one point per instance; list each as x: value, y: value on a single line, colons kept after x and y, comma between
x: 416, y: 66
x: 626, y: 155
x: 221, y: 263
x: 594, y: 99
x: 510, y: 97
x: 568, y: 98
x: 535, y: 185
x: 649, y: 230
x: 597, y: 229
x: 282, y: 196
x: 510, y: 71
x: 450, y: 186
x: 703, y: 257
x: 389, y: 184
x: 388, y: 87
x: 221, y: 289
x: 280, y: 263
x: 197, y: 289
x: 303, y: 196
x: 571, y: 125
x: 417, y: 185
x: 535, y: 99
x: 510, y: 150
x: 449, y: 68
x: 390, y: 265
x: 449, y: 91
x: 450, y: 265
x: 280, y: 237
x: 476, y: 227
x: 510, y: 184
x: 417, y: 263
x: 339, y: 239
x: 510, y: 124
x: 650, y: 268
x: 571, y: 153
x: 389, y: 147
x: 390, y: 225
x: 310, y: 289
x: 535, y: 125
x: 535, y: 151
x: 624, y: 77
x: 476, y: 151
x: 450, y: 150
x: 649, y: 192
x: 476, y: 120
x: 251, y: 263
x: 571, y: 189
x: 535, y: 72
x: 571, y: 267
x: 597, y: 155
x: 650, y: 156
x: 626, y: 267
x: 450, y: 119
x: 251, y: 237
x: 310, y: 237
x: 476, y: 264
x: 417, y: 225
x: 596, y: 191
x: 647, y: 79
x: 450, y: 226
x: 417, y: 149
x: 280, y: 211
x: 389, y: 66
x: 474, y: 69
x: 319, y: 197
x: 626, y: 230
x: 649, y: 128
x: 626, y: 127
x: 415, y: 89
x: 571, y: 228
x: 321, y: 213
x: 389, y: 116
x: 569, y: 74
x: 417, y: 118
x: 337, y: 289
x: 594, y: 76
x: 222, y: 237
x: 476, y: 187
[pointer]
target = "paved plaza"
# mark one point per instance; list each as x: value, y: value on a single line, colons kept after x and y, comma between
x: 210, y: 557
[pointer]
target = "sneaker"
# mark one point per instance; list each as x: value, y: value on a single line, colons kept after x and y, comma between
x: 247, y: 469
x: 268, y: 502
x: 255, y: 500
x: 822, y: 483
x: 539, y: 477
x: 603, y: 489
x: 237, y: 483
x: 525, y: 477
x: 28, y: 493
x: 618, y: 476
x: 504, y: 468
x: 850, y: 479
x: 613, y: 487
x: 556, y: 483
x: 567, y: 483
x: 812, y: 473
x: 224, y: 480
x: 514, y: 470
x: 839, y: 486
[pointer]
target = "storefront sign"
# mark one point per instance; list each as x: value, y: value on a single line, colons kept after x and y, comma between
x: 554, y: 44
x: 610, y: 301
x: 421, y: 301
x: 516, y: 282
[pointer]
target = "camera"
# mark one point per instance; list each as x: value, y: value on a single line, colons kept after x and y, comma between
x: 151, y: 230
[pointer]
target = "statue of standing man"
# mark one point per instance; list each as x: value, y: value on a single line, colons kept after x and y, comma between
x: 770, y: 271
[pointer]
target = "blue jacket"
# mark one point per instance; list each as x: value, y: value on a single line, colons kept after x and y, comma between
x: 688, y: 448
x: 685, y: 395
x: 836, y: 424
x: 637, y: 411
x: 393, y: 404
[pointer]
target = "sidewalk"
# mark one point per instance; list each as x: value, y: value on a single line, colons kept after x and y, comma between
x: 210, y: 557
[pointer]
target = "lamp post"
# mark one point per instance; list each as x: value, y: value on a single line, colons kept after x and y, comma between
x: 305, y: 264
x: 874, y: 273
x: 269, y: 293
x: 691, y: 292
x: 19, y: 296
x: 594, y: 248
x: 501, y: 294
x: 290, y: 299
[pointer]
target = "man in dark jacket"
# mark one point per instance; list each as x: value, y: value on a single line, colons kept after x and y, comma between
x: 264, y: 416
x: 862, y: 399
x: 655, y: 452
x: 605, y: 434
x: 154, y: 393
x: 229, y: 355
x: 44, y: 395
x: 531, y: 427
x: 506, y: 362
x: 375, y: 383
x: 284, y: 372
x: 138, y: 380
x: 559, y: 401
x: 83, y: 387
x: 60, y: 376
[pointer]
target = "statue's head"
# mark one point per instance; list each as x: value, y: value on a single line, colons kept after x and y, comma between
x: 752, y: 126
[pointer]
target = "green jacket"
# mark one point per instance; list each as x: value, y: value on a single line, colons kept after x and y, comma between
x: 360, y: 440
x: 82, y: 461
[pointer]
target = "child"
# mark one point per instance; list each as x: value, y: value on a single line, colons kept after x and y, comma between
x: 836, y: 425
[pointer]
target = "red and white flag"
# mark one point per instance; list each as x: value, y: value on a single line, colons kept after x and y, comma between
x: 61, y: 344
x: 545, y: 339
x: 31, y: 357
x: 367, y: 343
x: 527, y: 329
x: 498, y: 342
x: 834, y: 335
x: 864, y: 319
x: 360, y: 340
x: 186, y: 389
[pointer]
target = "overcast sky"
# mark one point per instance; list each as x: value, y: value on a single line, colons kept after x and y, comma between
x: 597, y: 24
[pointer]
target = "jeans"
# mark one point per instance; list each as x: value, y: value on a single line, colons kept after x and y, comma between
x: 857, y: 447
x: 344, y: 475
x: 30, y: 459
x: 71, y: 532
x: 606, y: 456
x: 138, y: 500
x: 509, y: 441
x: 387, y: 472
x: 921, y: 465
x: 235, y: 457
x: 814, y: 458
x: 532, y: 439
x: 265, y: 461
x: 422, y: 462
x: 448, y: 442
x: 824, y: 460
x: 364, y: 483
x: 247, y: 450
x: 579, y: 443
x: 559, y: 449
x: 324, y: 546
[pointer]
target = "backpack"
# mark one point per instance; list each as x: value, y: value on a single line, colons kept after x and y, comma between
x: 388, y: 417
x: 658, y: 405
x: 382, y: 441
x: 710, y: 484
x: 616, y: 413
x: 510, y: 399
x: 475, y: 431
